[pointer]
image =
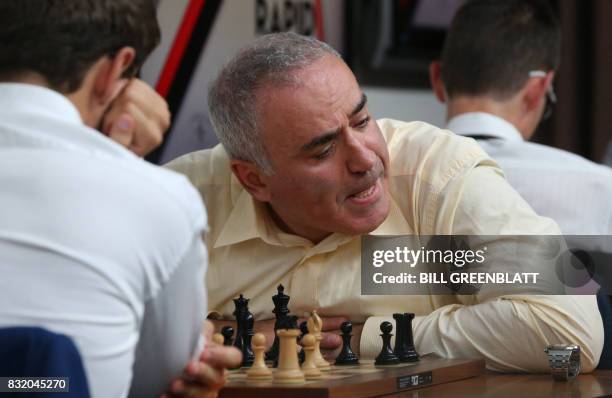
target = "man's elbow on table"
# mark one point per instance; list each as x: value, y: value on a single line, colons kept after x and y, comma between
x: 556, y: 320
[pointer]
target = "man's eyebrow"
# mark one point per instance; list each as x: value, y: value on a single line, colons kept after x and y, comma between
x: 360, y: 105
x: 332, y: 135
x: 320, y: 140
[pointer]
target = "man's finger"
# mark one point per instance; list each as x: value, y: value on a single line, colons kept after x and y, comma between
x: 221, y: 356
x: 330, y: 341
x: 122, y: 130
x: 333, y: 323
x: 206, y: 375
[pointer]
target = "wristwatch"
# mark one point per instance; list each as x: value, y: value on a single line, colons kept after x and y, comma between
x: 564, y: 361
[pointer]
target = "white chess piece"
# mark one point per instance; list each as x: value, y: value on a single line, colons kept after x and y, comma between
x: 217, y: 338
x: 309, y: 367
x: 288, y: 371
x: 259, y: 370
x: 315, y: 325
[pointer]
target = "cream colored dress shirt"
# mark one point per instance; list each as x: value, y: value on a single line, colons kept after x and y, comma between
x: 440, y: 183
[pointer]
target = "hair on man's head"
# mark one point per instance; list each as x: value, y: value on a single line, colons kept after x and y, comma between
x: 270, y: 60
x: 492, y: 45
x: 62, y: 39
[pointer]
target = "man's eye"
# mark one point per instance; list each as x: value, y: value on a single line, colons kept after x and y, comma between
x: 326, y: 152
x: 363, y: 123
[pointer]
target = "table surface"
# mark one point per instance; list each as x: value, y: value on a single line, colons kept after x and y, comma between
x: 596, y: 384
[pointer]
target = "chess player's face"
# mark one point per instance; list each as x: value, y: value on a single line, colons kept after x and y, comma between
x: 330, y: 159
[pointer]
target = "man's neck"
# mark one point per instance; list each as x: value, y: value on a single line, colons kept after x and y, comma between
x: 313, y: 236
x: 77, y: 97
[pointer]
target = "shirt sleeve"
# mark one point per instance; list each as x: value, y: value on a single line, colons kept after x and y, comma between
x: 171, y: 330
x: 509, y: 331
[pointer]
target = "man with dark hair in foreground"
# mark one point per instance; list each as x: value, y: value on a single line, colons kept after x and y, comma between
x: 95, y: 243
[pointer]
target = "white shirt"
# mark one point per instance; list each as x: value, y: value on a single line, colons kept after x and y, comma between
x: 608, y: 156
x: 98, y: 245
x: 571, y: 190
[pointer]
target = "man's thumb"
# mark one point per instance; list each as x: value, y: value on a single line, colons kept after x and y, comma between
x: 122, y: 130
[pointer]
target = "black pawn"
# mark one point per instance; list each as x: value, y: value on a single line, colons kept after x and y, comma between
x: 346, y: 356
x: 304, y: 330
x: 228, y: 333
x: 386, y: 356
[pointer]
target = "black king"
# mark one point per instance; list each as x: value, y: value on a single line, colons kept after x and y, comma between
x: 281, y: 310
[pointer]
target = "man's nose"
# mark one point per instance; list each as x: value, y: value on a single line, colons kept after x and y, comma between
x: 360, y: 158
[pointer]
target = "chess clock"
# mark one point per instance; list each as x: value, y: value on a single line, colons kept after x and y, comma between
x: 564, y: 361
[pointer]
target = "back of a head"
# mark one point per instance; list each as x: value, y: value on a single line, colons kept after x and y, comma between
x: 492, y: 45
x: 62, y: 39
x: 271, y: 59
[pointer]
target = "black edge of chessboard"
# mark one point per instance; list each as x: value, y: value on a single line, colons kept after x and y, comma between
x: 386, y: 381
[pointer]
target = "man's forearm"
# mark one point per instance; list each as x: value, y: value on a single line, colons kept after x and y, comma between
x: 510, y: 333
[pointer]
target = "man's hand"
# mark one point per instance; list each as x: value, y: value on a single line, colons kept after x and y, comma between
x: 204, y: 378
x: 138, y: 118
x: 330, y: 352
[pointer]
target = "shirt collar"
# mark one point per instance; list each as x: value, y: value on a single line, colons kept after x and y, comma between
x: 250, y: 219
x: 49, y: 110
x: 481, y: 123
x: 15, y: 97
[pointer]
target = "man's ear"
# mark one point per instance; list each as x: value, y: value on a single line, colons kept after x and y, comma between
x: 109, y: 81
x: 534, y: 91
x: 435, y: 78
x: 252, y: 179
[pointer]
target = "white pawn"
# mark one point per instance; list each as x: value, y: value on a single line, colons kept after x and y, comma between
x: 288, y: 371
x: 315, y: 325
x: 259, y: 370
x: 217, y: 338
x: 310, y: 369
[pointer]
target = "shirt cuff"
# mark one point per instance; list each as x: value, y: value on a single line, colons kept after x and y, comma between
x: 371, y: 343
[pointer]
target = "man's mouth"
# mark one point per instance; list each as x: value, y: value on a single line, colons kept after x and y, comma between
x: 367, y: 196
x: 366, y: 193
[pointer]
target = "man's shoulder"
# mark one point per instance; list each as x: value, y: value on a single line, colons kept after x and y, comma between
x: 205, y: 167
x: 535, y: 157
x: 421, y: 148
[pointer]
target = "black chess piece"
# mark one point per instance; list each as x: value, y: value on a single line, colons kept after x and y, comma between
x: 386, y: 356
x: 244, y: 332
x: 346, y: 356
x: 399, y: 347
x: 404, y: 342
x: 281, y: 301
x: 410, y: 353
x: 228, y: 333
x: 304, y: 332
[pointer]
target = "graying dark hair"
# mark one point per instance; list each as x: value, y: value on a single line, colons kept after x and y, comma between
x: 270, y: 60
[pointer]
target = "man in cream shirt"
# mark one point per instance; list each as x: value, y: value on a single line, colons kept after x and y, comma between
x: 304, y: 170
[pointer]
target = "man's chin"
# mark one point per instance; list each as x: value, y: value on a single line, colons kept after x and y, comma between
x: 369, y: 223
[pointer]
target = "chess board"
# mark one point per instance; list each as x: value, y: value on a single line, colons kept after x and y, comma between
x: 363, y: 380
